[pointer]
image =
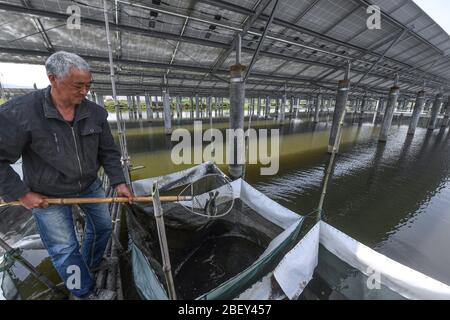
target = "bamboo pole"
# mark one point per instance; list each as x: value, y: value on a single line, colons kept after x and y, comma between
x: 103, y: 200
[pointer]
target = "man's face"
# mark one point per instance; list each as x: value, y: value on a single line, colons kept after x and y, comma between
x: 74, y: 87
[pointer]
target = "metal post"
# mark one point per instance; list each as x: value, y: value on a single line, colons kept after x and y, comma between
x: 120, y: 129
x: 420, y: 101
x: 159, y: 217
x: 435, y: 111
x: 167, y: 113
x: 389, y: 112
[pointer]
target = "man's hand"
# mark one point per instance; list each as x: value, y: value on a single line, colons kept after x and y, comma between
x: 123, y: 191
x: 34, y: 200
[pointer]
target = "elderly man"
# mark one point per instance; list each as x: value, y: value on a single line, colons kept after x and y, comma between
x: 63, y: 139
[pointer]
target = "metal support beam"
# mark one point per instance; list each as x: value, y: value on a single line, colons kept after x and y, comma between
x: 261, y: 40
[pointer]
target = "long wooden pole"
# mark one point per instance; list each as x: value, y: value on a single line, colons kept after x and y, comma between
x: 103, y: 200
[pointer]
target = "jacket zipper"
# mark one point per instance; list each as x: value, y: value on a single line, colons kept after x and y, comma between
x: 78, y: 157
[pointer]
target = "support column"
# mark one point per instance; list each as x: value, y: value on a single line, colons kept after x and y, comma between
x: 237, y: 98
x: 267, y: 107
x: 435, y: 112
x: 156, y: 107
x: 197, y: 102
x: 130, y: 107
x: 420, y: 102
x: 191, y: 107
x: 148, y: 105
x: 100, y: 100
x: 138, y: 105
x: 134, y: 108
x: 258, y: 110
x: 167, y: 116
x: 341, y: 102
x: 317, y: 108
x: 389, y: 112
x: 282, y: 108
x: 179, y: 107
x: 381, y: 105
x: 445, y: 121
x: 209, y: 105
x: 363, y: 108
x: 291, y: 107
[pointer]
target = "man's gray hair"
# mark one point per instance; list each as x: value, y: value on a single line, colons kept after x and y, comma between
x: 60, y: 63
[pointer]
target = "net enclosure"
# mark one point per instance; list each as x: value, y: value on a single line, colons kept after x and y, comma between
x: 258, y: 250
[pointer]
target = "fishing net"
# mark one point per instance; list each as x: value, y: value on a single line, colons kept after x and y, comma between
x: 221, y: 242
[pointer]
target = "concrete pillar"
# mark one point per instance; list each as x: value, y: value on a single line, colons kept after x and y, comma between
x: 167, y: 113
x: 237, y: 98
x: 215, y: 106
x: 317, y: 108
x: 381, y: 106
x: 138, y: 105
x: 191, y: 107
x: 291, y: 107
x: 282, y: 108
x: 179, y: 107
x: 267, y: 107
x: 258, y: 108
x: 341, y: 102
x: 197, y: 103
x: 389, y: 113
x: 363, y: 108
x: 148, y: 105
x: 156, y: 107
x: 445, y: 121
x: 130, y: 107
x: 133, y: 98
x: 420, y: 101
x: 435, y: 112
x: 100, y: 100
x: 209, y: 105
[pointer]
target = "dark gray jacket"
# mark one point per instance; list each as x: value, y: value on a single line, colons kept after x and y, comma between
x: 57, y: 160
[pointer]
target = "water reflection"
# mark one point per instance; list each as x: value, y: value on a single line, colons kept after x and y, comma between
x: 393, y: 197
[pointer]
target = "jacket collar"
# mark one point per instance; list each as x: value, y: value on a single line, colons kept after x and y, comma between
x: 81, y: 111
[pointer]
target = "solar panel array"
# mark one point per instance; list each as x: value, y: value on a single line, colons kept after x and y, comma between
x: 306, y: 47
